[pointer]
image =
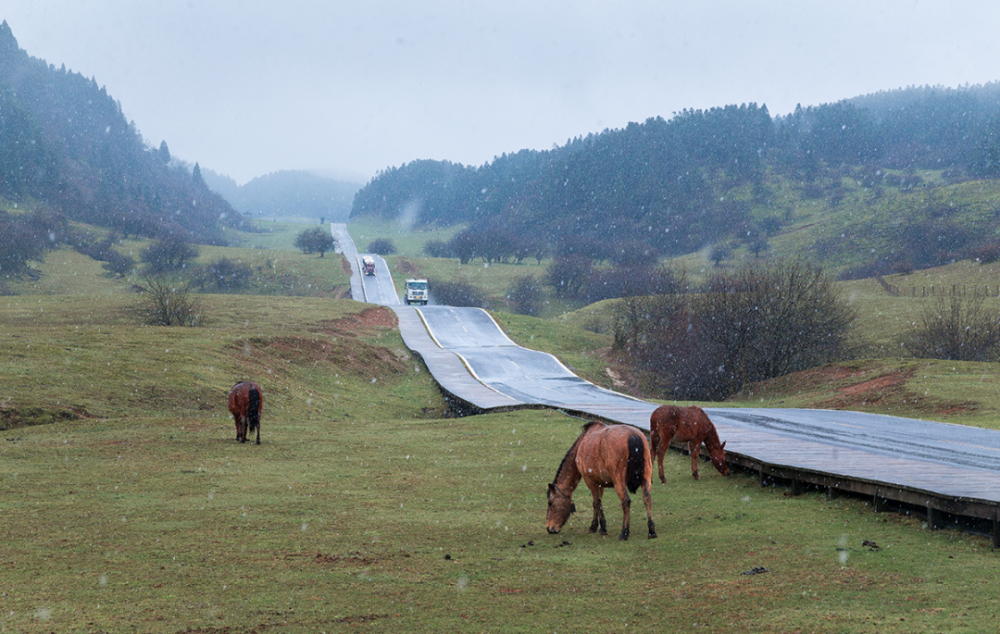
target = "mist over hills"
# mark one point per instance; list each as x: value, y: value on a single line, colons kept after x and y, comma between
x: 288, y: 195
x: 65, y: 145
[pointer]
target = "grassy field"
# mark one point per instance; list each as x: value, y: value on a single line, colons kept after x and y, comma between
x: 128, y: 507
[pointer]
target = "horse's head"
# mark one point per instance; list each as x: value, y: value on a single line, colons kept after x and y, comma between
x: 718, y: 458
x: 560, y: 508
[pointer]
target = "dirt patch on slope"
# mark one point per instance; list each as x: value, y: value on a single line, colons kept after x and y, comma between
x: 338, y: 343
x: 887, y: 388
x: 367, y: 322
x: 862, y: 387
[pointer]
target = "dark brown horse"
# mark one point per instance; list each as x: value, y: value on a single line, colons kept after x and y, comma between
x: 603, y: 456
x: 246, y: 402
x: 690, y: 425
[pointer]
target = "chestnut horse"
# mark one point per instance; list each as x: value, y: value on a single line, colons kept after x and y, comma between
x: 690, y: 425
x: 246, y: 402
x: 603, y: 456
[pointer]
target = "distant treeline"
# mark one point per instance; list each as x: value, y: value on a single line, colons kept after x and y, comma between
x: 66, y: 145
x: 288, y: 194
x: 665, y: 183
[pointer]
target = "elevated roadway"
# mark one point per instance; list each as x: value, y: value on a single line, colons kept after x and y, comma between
x: 936, y: 466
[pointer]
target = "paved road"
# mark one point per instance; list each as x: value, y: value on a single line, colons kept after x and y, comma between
x: 530, y: 377
x: 373, y: 289
x: 379, y: 288
x: 538, y: 378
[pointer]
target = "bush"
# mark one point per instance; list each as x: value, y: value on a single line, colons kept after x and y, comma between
x: 956, y: 329
x: 118, y: 264
x: 167, y: 302
x: 315, y: 240
x: 22, y: 239
x: 569, y: 273
x: 758, y: 323
x: 457, y: 294
x: 524, y: 296
x: 226, y: 275
x: 170, y: 253
x: 437, y: 249
x: 601, y: 284
x: 381, y: 246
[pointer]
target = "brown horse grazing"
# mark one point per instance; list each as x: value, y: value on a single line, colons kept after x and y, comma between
x: 603, y: 456
x: 690, y: 425
x: 246, y: 402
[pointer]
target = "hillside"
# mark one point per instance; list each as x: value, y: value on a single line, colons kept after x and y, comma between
x: 874, y: 184
x: 66, y: 145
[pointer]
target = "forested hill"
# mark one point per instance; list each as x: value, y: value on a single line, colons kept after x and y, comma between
x: 65, y: 142
x: 704, y: 177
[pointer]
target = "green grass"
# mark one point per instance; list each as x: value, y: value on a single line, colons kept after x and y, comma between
x: 127, y: 506
x: 358, y: 512
x: 409, y: 242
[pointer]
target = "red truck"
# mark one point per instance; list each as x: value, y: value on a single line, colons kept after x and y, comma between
x: 368, y: 265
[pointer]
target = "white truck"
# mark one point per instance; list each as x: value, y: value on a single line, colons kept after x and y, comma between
x: 416, y: 292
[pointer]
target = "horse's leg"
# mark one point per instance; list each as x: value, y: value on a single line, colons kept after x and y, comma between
x: 660, y: 446
x: 626, y: 509
x: 648, y: 501
x: 694, y: 447
x: 258, y: 431
x: 598, y: 522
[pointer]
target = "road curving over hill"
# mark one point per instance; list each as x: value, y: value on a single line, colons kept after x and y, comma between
x: 937, y: 466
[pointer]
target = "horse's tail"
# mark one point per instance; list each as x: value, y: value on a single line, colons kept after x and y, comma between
x: 635, y: 468
x: 253, y: 416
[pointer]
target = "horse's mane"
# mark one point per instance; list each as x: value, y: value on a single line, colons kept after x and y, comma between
x: 572, y: 449
x: 712, y: 439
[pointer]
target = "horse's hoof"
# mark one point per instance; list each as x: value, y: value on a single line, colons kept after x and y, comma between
x: 697, y: 477
x: 623, y: 538
x: 652, y: 535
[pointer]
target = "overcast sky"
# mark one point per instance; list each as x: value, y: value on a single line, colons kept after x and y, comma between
x: 249, y: 87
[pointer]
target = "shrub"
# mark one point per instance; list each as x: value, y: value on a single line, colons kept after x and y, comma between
x: 956, y: 329
x: 569, y: 273
x: 758, y: 323
x: 381, y: 246
x: 315, y: 240
x: 457, y: 294
x: 167, y: 302
x: 524, y: 296
x: 23, y: 239
x: 437, y: 249
x: 170, y: 253
x: 226, y: 275
x: 118, y: 264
